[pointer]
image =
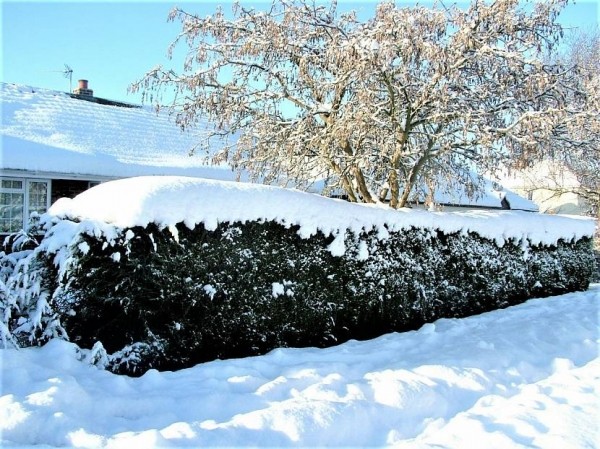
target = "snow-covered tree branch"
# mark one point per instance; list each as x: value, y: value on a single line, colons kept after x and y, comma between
x: 378, y: 108
x: 579, y: 134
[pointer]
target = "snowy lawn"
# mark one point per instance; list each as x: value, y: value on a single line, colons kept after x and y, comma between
x: 528, y: 376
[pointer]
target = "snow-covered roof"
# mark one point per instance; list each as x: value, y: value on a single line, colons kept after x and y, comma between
x: 491, y: 196
x: 48, y: 131
x: 51, y: 134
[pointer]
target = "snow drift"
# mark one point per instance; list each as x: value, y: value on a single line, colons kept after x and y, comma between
x: 523, y: 377
x: 167, y: 200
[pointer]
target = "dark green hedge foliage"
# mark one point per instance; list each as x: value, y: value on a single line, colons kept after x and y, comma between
x: 217, y: 294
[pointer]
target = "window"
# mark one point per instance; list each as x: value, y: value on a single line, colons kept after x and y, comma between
x: 12, y: 201
x: 18, y: 199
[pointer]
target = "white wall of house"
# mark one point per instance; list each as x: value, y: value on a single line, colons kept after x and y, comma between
x: 550, y: 186
x: 552, y: 203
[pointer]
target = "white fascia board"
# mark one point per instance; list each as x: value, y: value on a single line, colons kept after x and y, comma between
x: 36, y: 174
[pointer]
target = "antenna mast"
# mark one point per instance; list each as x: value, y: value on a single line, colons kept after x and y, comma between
x: 68, y: 73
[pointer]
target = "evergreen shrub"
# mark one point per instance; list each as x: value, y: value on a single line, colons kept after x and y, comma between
x: 173, y: 297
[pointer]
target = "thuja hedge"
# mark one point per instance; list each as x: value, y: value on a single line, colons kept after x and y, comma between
x: 166, y: 300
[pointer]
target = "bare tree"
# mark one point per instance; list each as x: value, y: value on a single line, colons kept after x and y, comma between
x: 377, y: 108
x: 581, y: 54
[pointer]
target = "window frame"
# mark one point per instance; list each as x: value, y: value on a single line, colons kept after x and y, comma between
x: 25, y: 190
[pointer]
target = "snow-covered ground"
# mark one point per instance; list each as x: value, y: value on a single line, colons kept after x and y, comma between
x: 524, y: 377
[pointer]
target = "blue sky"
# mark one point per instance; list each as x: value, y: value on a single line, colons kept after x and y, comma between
x: 114, y: 43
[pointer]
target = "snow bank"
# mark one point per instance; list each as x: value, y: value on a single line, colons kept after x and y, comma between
x: 522, y: 377
x: 170, y: 199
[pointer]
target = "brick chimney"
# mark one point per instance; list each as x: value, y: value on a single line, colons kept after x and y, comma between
x: 82, y: 89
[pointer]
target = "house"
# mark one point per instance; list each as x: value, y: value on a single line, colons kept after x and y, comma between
x: 56, y: 144
x: 491, y: 195
x: 551, y: 186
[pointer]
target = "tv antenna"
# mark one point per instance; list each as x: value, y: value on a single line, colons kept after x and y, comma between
x: 67, y: 73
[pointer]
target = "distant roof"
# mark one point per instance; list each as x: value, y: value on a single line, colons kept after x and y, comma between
x: 52, y: 133
x: 491, y: 195
x: 48, y: 131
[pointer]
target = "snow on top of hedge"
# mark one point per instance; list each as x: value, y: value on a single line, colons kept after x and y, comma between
x: 168, y: 200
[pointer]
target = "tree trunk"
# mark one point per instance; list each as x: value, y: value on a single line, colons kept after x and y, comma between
x: 410, y: 182
x: 363, y: 190
x: 361, y: 184
x: 404, y: 198
x: 346, y: 184
x: 394, y: 188
x: 394, y: 183
x: 349, y: 190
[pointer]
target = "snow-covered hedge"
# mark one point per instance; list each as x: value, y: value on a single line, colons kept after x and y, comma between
x: 168, y: 272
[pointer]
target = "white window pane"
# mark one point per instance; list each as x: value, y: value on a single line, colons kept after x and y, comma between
x: 11, y: 199
x: 38, y: 196
x: 9, y: 226
x: 11, y: 211
x: 38, y: 187
x: 11, y: 184
x: 16, y: 213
